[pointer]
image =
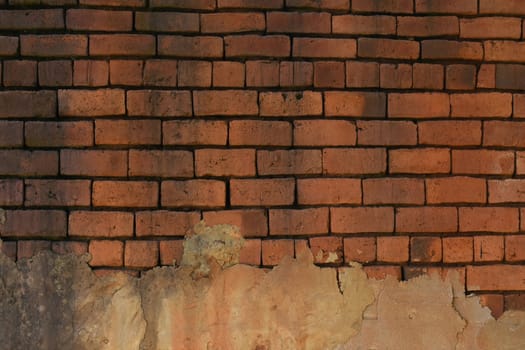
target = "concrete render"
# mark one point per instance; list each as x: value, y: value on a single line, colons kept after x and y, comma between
x: 211, y: 302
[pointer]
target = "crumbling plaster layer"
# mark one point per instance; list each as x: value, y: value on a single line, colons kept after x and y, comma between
x: 56, y: 302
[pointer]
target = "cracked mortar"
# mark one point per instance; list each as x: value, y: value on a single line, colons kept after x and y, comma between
x: 211, y: 302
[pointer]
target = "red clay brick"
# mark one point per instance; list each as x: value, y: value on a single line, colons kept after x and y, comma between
x: 426, y: 220
x: 295, y: 74
x: 20, y: 73
x: 262, y: 73
x: 451, y: 50
x: 464, y: 7
x: 418, y: 105
x: 158, y: 103
x: 282, y: 162
x: 327, y: 191
x: 507, y: 76
x: 382, y: 271
x: 354, y: 104
x: 193, y: 193
x: 362, y: 74
x: 171, y: 252
x: 184, y: 4
x: 324, y: 48
x: 487, y: 76
x: 127, y: 132
x: 194, y: 73
x: 31, y: 19
x: 494, y: 302
x: 329, y: 74
x: 165, y: 163
x: 481, y: 105
x: 362, y: 220
x: 450, y: 133
x: 251, y: 222
x: 126, y: 72
x: 69, y: 247
x: 298, y: 221
x: 392, y: 249
x: 93, y: 162
x: 211, y: 103
x: 92, y: 103
x: 280, y: 104
x: 506, y: 191
x: 395, y: 76
x: 427, y: 26
x: 165, y: 223
x: 228, y: 74
x: 496, y: 277
x: 487, y: 219
x: 100, y: 224
x: 28, y: 163
x: 488, y: 248
x: 456, y: 190
x: 515, y: 248
x: 58, y: 134
x: 141, y: 254
x: 419, y: 161
x: 359, y: 249
x: 324, y: 133
x: 122, y: 45
x: 273, y: 251
x: 485, y: 162
x: 167, y: 22
x: 29, y: 249
x: 519, y: 105
x: 503, y: 134
x: 219, y: 162
x: 260, y: 133
x: 99, y: 20
x: 348, y: 161
x: 298, y: 22
x: 512, y: 301
x: 393, y: 191
x: 55, y: 73
x: 262, y: 192
x: 112, y: 3
x: 511, y: 7
x: 400, y: 6
x: 490, y: 28
x: 48, y: 224
x: 520, y: 163
x: 8, y: 45
x: 388, y: 48
x: 90, y: 73
x: 11, y: 192
x: 106, y: 253
x: 327, y: 250
x: 457, y: 249
x: 427, y: 76
x: 257, y: 46
x: 461, y: 77
x: 388, y: 133
x: 125, y: 194
x: 232, y: 22
x: 319, y: 4
x: 250, y: 253
x: 425, y: 249
x: 54, y: 45
x: 160, y: 73
x: 364, y: 25
x: 57, y: 193
x: 11, y: 134
x: 195, y: 132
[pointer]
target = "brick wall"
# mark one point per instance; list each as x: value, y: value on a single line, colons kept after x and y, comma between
x: 386, y: 132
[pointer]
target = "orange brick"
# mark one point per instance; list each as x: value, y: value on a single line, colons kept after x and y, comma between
x: 157, y: 103
x: 451, y: 50
x: 298, y: 22
x: 295, y: 74
x: 400, y: 6
x: 195, y: 132
x: 503, y: 134
x: 327, y: 250
x: 12, y: 134
x: 126, y: 72
x: 461, y: 77
x: 457, y: 249
x: 395, y: 76
x: 106, y: 253
x: 93, y: 162
x: 141, y: 254
x: 504, y: 50
x: 58, y: 134
x: 128, y: 132
x: 466, y: 7
x: 122, y: 45
x: 302, y: 248
x: 327, y: 191
x: 393, y: 191
x: 48, y: 224
x: 262, y: 192
x: 257, y: 46
x: 494, y: 302
x: 20, y: 73
x: 228, y: 74
x: 163, y: 163
x: 262, y: 73
x: 90, y: 73
x: 171, y: 252
x: 515, y: 302
x: 418, y: 105
x: 211, y: 103
x: 456, y: 189
x: 419, y: 161
x: 487, y: 219
x: 490, y: 28
x: 91, y: 103
x: 251, y: 222
x: 11, y: 192
x: 324, y: 48
x: 72, y: 193
x: 329, y: 74
x: 495, y: 277
x: 250, y: 253
x: 125, y: 194
x: 427, y: 26
x: 173, y: 22
x: 298, y: 221
x: 427, y: 76
x: 164, y: 223
x: 511, y: 7
x: 284, y: 162
x: 487, y: 76
x: 450, y: 133
x: 425, y: 249
x: 219, y: 162
x: 29, y: 249
x: 28, y: 163
x: 273, y: 251
x: 362, y: 74
x: 194, y: 73
x: 487, y: 162
x: 190, y: 46
x: 386, y: 133
x: 360, y: 249
x: 519, y: 105
x: 354, y: 104
x: 99, y: 20
x: 388, y: 48
x: 392, y: 249
x: 281, y: 104
x: 364, y: 25
x: 481, y: 105
x: 362, y: 220
x: 514, y: 248
x: 232, y: 22
x: 324, y: 133
x: 520, y: 163
x: 51, y: 45
x: 506, y: 191
x: 260, y: 133
x: 193, y: 193
x: 160, y: 73
x: 354, y: 161
x: 382, y: 271
x: 488, y: 248
x: 426, y: 220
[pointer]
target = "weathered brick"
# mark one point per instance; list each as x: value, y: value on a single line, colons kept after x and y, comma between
x: 359, y: 249
x: 324, y: 48
x: 11, y: 134
x: 90, y: 73
x: 122, y: 45
x: 327, y: 191
x: 323, y: 132
x: 489, y: 219
x: 426, y: 220
x: 251, y: 222
x: 329, y: 74
x: 53, y: 45
x: 125, y: 194
x: 457, y: 249
x: 456, y: 189
x: 288, y: 162
x: 91, y: 103
x: 250, y: 253
x: 20, y: 73
x: 461, y: 77
x: 126, y: 72
x: 11, y: 192
x: 354, y: 104
x: 193, y: 193
x: 161, y: 163
x: 518, y: 105
x: 487, y: 76
x: 362, y: 74
x: 490, y: 104
x: 354, y: 161
x: 8, y: 45
x: 229, y: 162
x: 34, y: 224
x: 99, y: 20
x: 427, y: 26
x: 160, y: 73
x: 194, y: 73
x: 395, y: 76
x: 380, y: 272
x: 262, y: 192
x: 273, y: 251
x: 28, y: 163
x: 165, y: 223
x: 93, y: 162
x: 362, y: 220
x: 511, y: 7
x: 327, y: 250
x: 262, y: 73
x: 228, y: 74
x: 419, y: 161
x: 488, y: 248
x: 211, y: 103
x: 167, y: 22
x: 171, y: 252
x: 295, y: 74
x: 464, y: 7
x: 112, y: 3
x: 319, y: 4
x: 388, y: 133
x: 451, y: 50
x: 418, y: 105
x: 506, y: 191
x: 29, y: 249
x: 280, y: 104
x: 486, y: 162
x: 260, y: 133
x: 504, y: 50
x: 257, y: 46
x: 387, y: 48
x: 490, y: 28
x: 141, y: 254
x: 232, y: 22
x: 513, y: 301
x: 23, y: 104
x: 298, y: 22
x: 393, y: 191
x: 184, y: 4
x: 399, y: 6
x: 495, y: 303
x: 195, y: 132
x: 514, y: 248
x: 520, y: 163
x: 159, y: 103
x: 127, y: 132
x: 298, y: 221
x: 106, y: 253
x: 56, y: 193
x: 427, y: 76
x: 364, y: 25
x: 495, y: 277
x: 55, y: 73
x: 19, y: 20
x: 69, y: 247
x: 503, y: 134
x: 425, y: 249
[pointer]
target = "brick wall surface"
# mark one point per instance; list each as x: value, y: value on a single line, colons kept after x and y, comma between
x: 385, y: 132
